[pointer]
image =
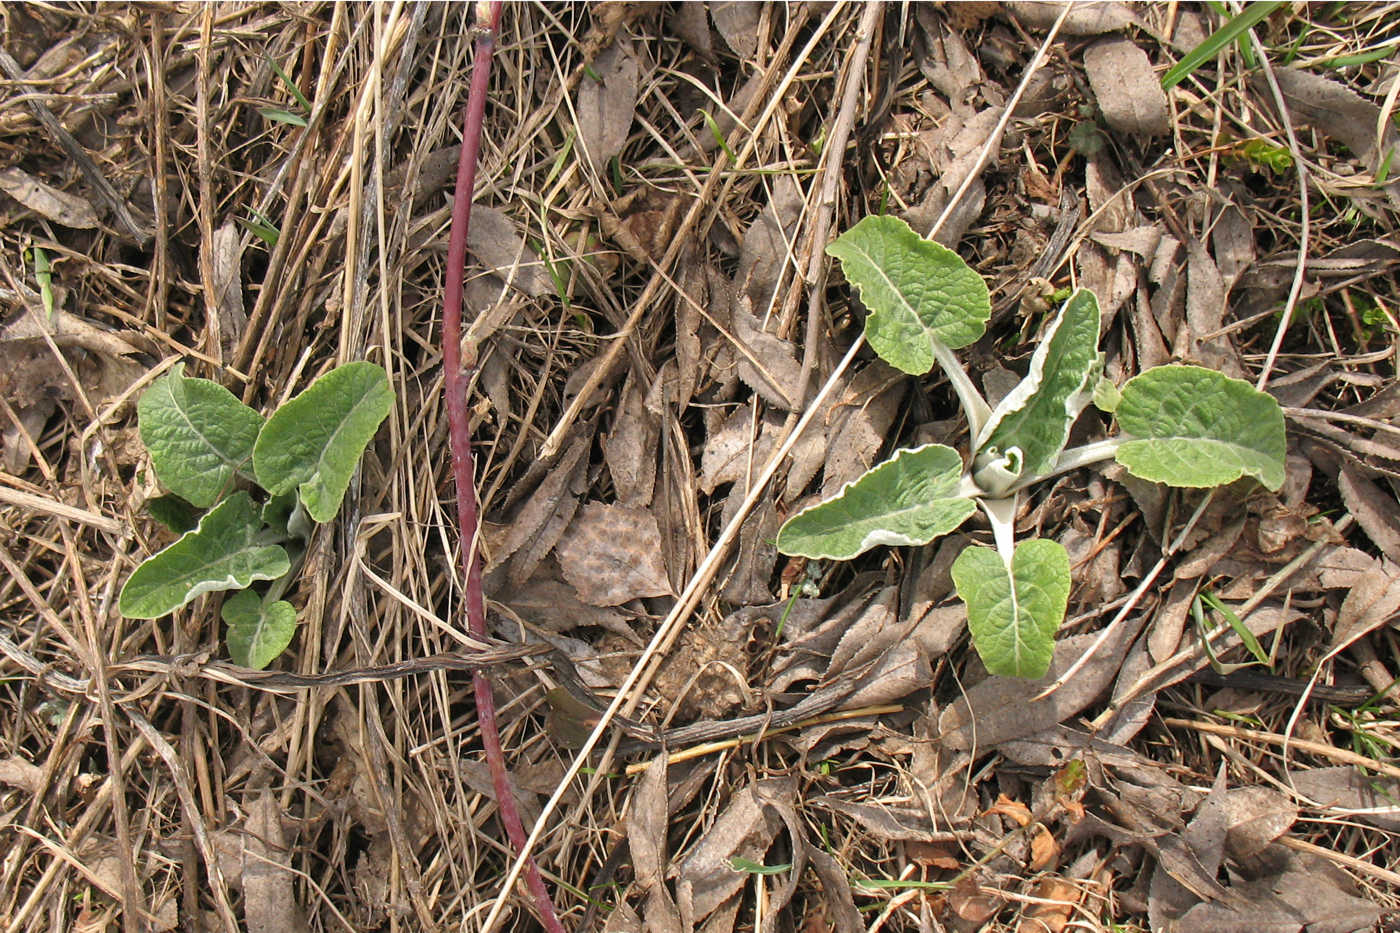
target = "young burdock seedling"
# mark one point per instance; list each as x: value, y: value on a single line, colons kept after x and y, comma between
x: 1179, y: 425
x: 203, y: 444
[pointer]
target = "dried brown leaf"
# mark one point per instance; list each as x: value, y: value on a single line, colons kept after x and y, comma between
x: 1372, y: 602
x: 1255, y: 817
x: 1085, y: 19
x: 1205, y: 313
x: 971, y: 903
x: 630, y: 447
x: 226, y: 264
x: 737, y: 24
x: 646, y: 837
x: 745, y: 828
x: 1338, y: 111
x: 768, y: 246
x: 1367, y: 797
x: 542, y: 503
x: 1232, y: 242
x: 16, y: 772
x: 49, y: 202
x: 768, y: 364
x: 1375, y: 511
x: 691, y: 22
x: 548, y: 602
x: 757, y: 553
x: 496, y: 242
x: 859, y: 423
x: 732, y: 453
x: 607, y: 105
x: 950, y: 65
x: 611, y: 553
x: 887, y: 822
x: 1000, y: 709
x: 1127, y: 89
x: 836, y: 891
x: 1056, y: 901
x: 954, y: 151
x: 269, y: 902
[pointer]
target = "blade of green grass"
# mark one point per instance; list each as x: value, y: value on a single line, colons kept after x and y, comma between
x: 291, y: 86
x: 283, y: 116
x: 1237, y: 624
x: 739, y: 863
x: 1236, y: 27
x: 1360, y: 58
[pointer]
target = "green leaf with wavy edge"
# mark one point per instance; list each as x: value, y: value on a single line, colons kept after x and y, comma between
x: 918, y: 292
x: 910, y: 499
x: 1188, y: 426
x: 226, y: 552
x: 1013, y: 613
x: 198, y: 434
x: 1037, y: 414
x: 312, y: 443
x: 257, y: 631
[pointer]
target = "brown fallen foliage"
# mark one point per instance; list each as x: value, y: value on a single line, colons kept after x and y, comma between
x: 264, y: 191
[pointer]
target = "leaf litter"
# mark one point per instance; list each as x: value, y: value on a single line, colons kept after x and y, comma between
x: 597, y: 149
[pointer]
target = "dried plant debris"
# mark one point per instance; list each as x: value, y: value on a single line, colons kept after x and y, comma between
x: 607, y: 104
x: 260, y: 194
x: 1126, y: 88
x: 611, y: 554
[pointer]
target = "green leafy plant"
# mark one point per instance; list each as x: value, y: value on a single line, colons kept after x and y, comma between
x: 204, y: 443
x: 1180, y: 425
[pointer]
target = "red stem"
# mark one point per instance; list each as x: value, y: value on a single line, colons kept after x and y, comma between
x: 463, y: 471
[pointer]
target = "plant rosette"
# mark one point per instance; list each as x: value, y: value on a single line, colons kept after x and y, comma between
x: 203, y: 443
x: 1179, y: 425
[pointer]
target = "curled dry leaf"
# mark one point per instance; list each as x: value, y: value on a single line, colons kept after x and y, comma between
x: 646, y: 837
x: 496, y: 242
x: 1375, y: 511
x: 1126, y: 88
x: 737, y: 23
x: 1085, y: 19
x: 630, y: 448
x: 768, y: 364
x: 227, y: 316
x: 59, y: 206
x: 1000, y: 709
x: 733, y: 453
x: 607, y: 105
x: 16, y: 772
x: 269, y: 902
x: 611, y: 553
x: 745, y: 829
x: 1350, y: 793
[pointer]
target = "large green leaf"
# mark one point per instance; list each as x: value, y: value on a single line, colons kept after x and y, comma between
x: 909, y: 499
x: 226, y: 552
x: 313, y: 442
x: 257, y: 631
x: 1188, y: 426
x: 1037, y: 414
x: 197, y: 433
x: 917, y: 291
x: 1013, y: 613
